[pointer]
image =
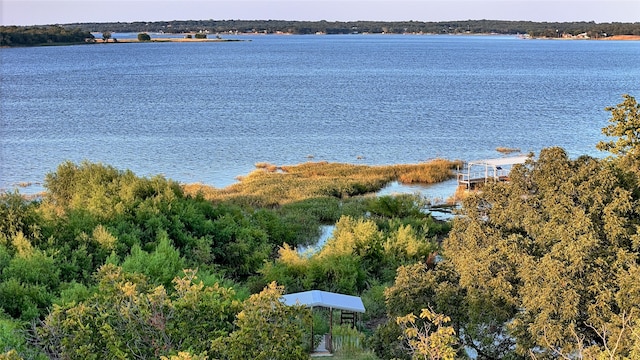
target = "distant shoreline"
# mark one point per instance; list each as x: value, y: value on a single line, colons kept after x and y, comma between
x: 100, y: 41
x: 173, y: 39
x: 622, y: 37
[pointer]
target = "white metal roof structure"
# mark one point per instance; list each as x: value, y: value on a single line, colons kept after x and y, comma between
x: 511, y: 160
x: 327, y: 299
x: 482, y: 171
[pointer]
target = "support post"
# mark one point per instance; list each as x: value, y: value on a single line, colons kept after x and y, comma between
x: 331, y: 330
x: 312, y: 348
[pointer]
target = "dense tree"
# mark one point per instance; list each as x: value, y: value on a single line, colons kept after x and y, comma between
x: 40, y: 35
x: 160, y: 267
x: 373, y: 27
x: 428, y: 336
x: 144, y: 37
x: 129, y: 318
x: 266, y: 329
x: 551, y: 254
x: 357, y: 254
x: 139, y: 211
x: 625, y: 127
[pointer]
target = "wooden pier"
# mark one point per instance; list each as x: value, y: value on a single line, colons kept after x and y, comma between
x: 476, y: 173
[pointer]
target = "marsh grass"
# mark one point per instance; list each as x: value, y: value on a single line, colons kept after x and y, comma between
x: 270, y: 185
x: 507, y: 150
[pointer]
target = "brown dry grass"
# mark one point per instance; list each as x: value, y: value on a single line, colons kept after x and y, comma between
x: 507, y: 150
x: 622, y: 37
x: 271, y: 185
x: 169, y: 40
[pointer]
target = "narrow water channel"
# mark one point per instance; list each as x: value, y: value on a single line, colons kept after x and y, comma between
x: 436, y: 194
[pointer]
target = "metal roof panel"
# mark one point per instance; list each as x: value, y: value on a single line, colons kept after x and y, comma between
x: 325, y: 299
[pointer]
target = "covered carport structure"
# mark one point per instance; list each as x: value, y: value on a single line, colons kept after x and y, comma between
x: 325, y: 299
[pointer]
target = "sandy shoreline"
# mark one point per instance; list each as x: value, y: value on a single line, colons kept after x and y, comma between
x: 167, y: 40
x: 622, y: 37
x: 159, y: 39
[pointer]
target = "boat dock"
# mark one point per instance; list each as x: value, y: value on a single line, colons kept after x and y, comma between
x: 476, y: 173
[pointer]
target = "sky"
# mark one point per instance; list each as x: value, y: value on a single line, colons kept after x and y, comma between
x: 43, y: 12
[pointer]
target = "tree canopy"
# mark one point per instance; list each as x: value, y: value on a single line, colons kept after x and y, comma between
x: 546, y: 265
x: 550, y: 29
x: 39, y: 35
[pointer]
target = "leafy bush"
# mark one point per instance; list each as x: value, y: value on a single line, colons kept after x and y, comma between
x: 160, y: 267
x: 13, y: 344
x: 144, y: 37
x: 266, y: 329
x: 374, y: 301
x: 127, y: 310
x: 386, y: 342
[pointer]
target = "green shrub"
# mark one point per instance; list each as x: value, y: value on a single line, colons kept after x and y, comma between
x: 373, y: 300
x: 160, y: 266
x: 266, y: 329
x: 13, y: 344
x: 347, y: 341
x: 144, y: 37
x: 386, y: 342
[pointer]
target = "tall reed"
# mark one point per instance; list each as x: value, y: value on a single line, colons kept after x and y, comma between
x: 271, y: 185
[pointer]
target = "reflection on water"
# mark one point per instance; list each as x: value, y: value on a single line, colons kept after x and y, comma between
x: 326, y: 231
x: 436, y: 195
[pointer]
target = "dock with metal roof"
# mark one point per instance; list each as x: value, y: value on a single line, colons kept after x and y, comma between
x: 479, y: 172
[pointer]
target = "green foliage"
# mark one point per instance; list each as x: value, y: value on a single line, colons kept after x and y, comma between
x: 96, y: 209
x: 103, y: 190
x: 394, y: 206
x: 373, y: 300
x: 266, y: 329
x: 13, y: 344
x: 624, y: 125
x: 548, y: 255
x: 374, y: 27
x: 160, y: 267
x: 40, y: 35
x: 72, y: 293
x: 18, y: 216
x: 201, y: 313
x: 200, y: 36
x: 23, y: 300
x: 347, y: 341
x: 27, y: 280
x: 144, y: 37
x: 386, y: 342
x: 428, y: 337
x: 128, y: 317
x: 356, y: 255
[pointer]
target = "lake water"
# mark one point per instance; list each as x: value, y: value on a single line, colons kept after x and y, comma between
x: 207, y: 112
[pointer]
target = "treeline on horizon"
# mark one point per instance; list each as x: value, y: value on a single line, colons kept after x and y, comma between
x: 550, y: 29
x: 39, y: 35
x: 81, y: 32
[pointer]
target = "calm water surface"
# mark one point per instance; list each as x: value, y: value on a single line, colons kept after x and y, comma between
x: 207, y: 112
